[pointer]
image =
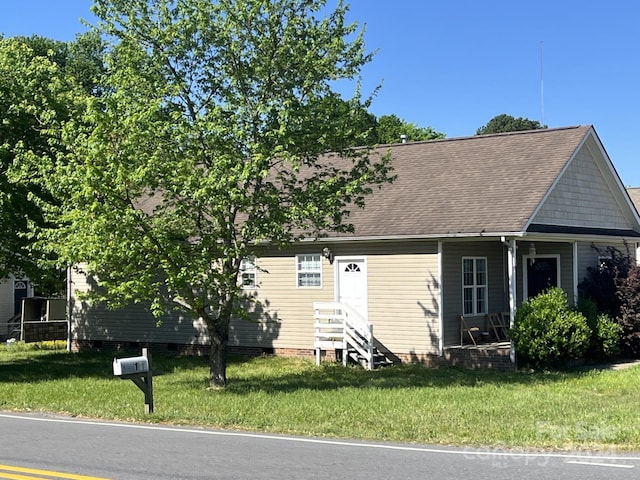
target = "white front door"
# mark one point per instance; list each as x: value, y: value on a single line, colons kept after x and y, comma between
x: 351, y: 284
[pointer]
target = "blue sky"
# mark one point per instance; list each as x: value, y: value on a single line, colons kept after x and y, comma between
x: 455, y: 64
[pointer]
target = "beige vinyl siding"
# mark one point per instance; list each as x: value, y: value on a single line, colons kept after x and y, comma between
x: 404, y: 299
x: 584, y: 197
x: 282, y: 312
x: 94, y: 321
x: 403, y: 295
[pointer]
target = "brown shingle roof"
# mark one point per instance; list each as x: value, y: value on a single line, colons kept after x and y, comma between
x: 470, y: 185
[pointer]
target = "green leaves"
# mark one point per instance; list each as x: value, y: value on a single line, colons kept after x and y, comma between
x: 40, y: 88
x: 548, y: 332
x: 211, y: 136
x: 506, y: 123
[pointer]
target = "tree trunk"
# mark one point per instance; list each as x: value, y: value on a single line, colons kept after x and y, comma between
x: 218, y: 328
x: 218, y: 363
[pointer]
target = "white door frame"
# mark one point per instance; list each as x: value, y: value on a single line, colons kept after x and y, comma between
x: 525, y: 264
x: 341, y: 260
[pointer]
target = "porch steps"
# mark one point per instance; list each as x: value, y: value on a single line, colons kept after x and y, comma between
x: 340, y: 327
x: 379, y: 359
x: 14, y: 327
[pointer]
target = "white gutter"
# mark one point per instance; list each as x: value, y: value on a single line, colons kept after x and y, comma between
x: 379, y: 238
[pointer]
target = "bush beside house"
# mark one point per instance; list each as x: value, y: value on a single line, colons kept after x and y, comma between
x: 614, y: 287
x: 547, y: 332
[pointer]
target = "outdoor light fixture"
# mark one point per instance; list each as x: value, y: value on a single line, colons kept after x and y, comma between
x: 532, y: 253
x: 326, y: 253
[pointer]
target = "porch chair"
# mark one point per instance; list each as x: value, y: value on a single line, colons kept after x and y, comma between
x: 505, y: 317
x: 466, y: 329
x: 496, y: 324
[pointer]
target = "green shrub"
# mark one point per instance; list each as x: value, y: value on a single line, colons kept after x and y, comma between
x: 605, y: 332
x: 547, y: 332
x: 20, y: 346
x: 629, y: 318
x: 601, y: 282
x: 607, y: 335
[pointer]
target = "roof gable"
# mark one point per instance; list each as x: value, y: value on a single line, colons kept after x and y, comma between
x: 588, y: 194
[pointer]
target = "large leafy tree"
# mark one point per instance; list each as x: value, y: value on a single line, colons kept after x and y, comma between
x: 212, y: 138
x: 506, y: 123
x: 40, y: 81
x: 391, y: 128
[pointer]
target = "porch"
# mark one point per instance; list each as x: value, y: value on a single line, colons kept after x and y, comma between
x: 494, y: 355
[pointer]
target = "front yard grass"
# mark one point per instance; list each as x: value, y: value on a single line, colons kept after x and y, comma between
x: 589, y: 409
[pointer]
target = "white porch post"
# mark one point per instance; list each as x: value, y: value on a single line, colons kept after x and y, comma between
x: 441, y: 300
x: 511, y: 272
x: 575, y: 273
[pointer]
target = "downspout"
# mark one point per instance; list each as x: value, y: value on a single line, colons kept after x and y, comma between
x: 441, y: 300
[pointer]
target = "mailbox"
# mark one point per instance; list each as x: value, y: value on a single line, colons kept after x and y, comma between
x: 130, y: 366
x: 138, y: 370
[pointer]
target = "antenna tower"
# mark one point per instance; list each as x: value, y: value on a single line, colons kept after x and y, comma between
x: 541, y: 83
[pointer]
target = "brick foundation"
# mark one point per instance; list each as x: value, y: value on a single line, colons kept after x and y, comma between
x: 493, y: 356
x: 195, y: 350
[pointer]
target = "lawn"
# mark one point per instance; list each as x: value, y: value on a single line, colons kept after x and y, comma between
x: 589, y: 409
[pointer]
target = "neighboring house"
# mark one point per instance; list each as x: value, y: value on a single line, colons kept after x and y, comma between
x: 471, y: 226
x: 12, y: 291
x: 634, y: 193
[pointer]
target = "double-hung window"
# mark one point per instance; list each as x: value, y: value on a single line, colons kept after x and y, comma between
x: 309, y: 270
x: 474, y: 285
x: 248, y: 272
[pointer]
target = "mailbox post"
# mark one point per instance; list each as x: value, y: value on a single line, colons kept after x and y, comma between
x: 138, y: 370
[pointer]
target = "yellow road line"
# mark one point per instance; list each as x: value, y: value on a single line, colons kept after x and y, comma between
x: 4, y: 469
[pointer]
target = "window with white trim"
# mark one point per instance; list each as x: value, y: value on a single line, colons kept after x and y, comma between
x: 474, y: 285
x: 248, y: 272
x: 309, y: 270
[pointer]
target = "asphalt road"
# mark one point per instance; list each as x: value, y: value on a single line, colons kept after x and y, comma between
x: 43, y: 446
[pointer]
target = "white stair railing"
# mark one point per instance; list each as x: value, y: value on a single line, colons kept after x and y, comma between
x: 337, y: 325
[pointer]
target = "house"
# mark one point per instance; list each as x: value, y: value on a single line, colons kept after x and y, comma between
x: 471, y: 226
x: 12, y: 290
x: 634, y: 193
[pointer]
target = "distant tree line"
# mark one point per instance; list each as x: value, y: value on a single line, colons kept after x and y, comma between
x: 506, y: 123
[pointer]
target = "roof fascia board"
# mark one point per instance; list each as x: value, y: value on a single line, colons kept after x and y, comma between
x: 532, y: 236
x: 392, y: 238
x: 561, y: 237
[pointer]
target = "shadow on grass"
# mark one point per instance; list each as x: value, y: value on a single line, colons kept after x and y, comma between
x: 41, y: 366
x: 34, y: 366
x: 335, y: 377
x: 54, y: 365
